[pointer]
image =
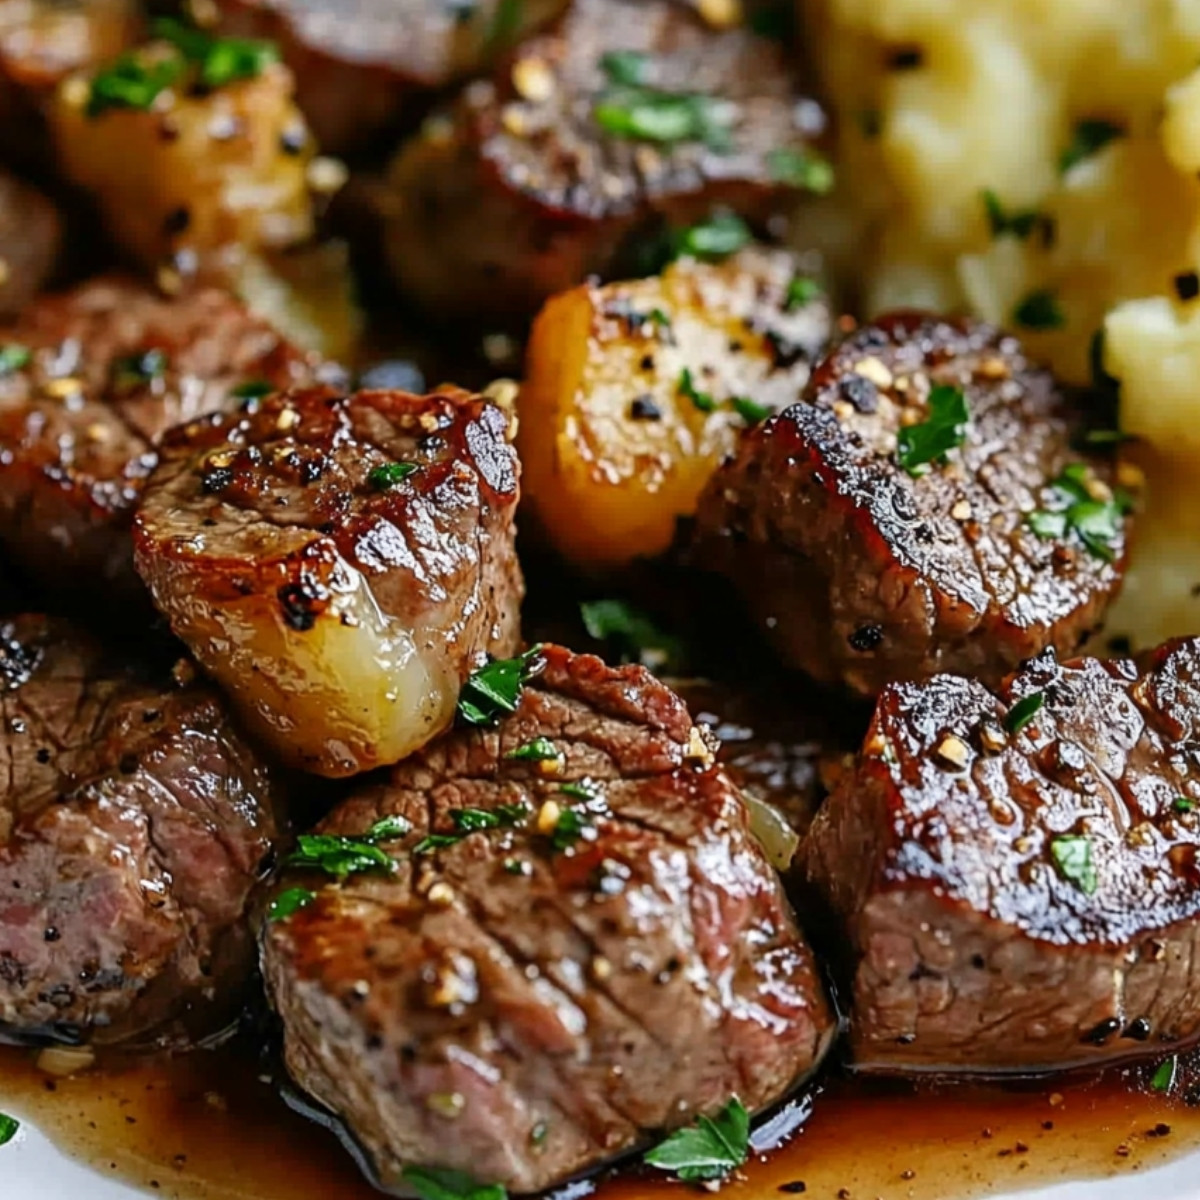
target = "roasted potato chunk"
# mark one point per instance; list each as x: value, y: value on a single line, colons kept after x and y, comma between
x: 196, y: 156
x: 635, y: 392
x: 357, y: 62
x: 628, y: 114
x: 340, y: 564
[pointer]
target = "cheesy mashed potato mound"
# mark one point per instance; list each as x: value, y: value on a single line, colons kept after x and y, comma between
x: 1038, y: 162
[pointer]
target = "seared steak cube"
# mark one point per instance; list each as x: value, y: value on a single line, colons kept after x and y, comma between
x: 30, y: 241
x: 89, y: 381
x: 339, y: 563
x: 134, y: 824
x: 574, y: 943
x: 627, y: 114
x: 921, y: 510
x: 1016, y: 874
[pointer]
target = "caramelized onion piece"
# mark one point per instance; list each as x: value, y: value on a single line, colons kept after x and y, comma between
x: 339, y: 563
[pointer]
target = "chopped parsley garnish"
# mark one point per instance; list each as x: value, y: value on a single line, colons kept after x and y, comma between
x: 720, y: 236
x: 802, y: 169
x: 651, y: 115
x: 221, y: 60
x: 750, y: 410
x: 1024, y: 711
x: 631, y: 634
x: 569, y: 829
x: 943, y: 430
x: 473, y: 820
x: 390, y: 474
x: 506, y: 24
x: 253, y: 389
x: 8, y: 1128
x: 1089, y: 137
x: 342, y: 856
x: 138, y: 369
x: 132, y: 82
x: 289, y: 902
x: 1163, y: 1079
x: 14, y: 356
x: 801, y: 291
x: 438, y: 1183
x: 1097, y: 523
x: 1020, y: 223
x: 538, y: 750
x: 584, y: 790
x: 495, y: 689
x: 1040, y: 310
x: 709, y: 1149
x: 1181, y: 804
x: 687, y: 388
x: 626, y: 67
x: 656, y: 316
x: 1106, y: 437
x: 1072, y: 856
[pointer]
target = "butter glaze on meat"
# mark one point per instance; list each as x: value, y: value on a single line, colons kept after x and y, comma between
x: 576, y: 1000
x: 979, y: 940
x: 134, y: 823
x: 341, y: 612
x: 861, y: 573
x: 78, y: 426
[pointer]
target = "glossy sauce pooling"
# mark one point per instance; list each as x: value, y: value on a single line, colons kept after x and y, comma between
x: 207, y: 1127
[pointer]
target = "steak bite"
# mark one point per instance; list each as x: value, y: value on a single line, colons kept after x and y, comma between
x: 360, y: 63
x: 578, y: 946
x: 626, y: 114
x: 339, y: 563
x: 134, y: 824
x: 30, y: 241
x: 89, y: 381
x: 921, y: 510
x: 1016, y: 874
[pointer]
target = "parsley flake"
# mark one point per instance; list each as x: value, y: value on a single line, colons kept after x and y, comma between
x: 14, y: 356
x: 709, y: 1149
x: 387, y: 476
x: 506, y: 24
x: 570, y: 827
x: 1098, y: 523
x: 1072, y: 856
x: 626, y: 67
x: 1024, y: 711
x: 943, y: 430
x: 1089, y: 137
x: 495, y: 689
x: 1020, y: 223
x: 290, y: 902
x: 132, y: 82
x: 1181, y: 804
x: 253, y: 389
x: 801, y: 169
x: 8, y: 1128
x: 632, y: 635
x: 749, y: 410
x: 801, y: 291
x: 221, y: 60
x: 473, y: 820
x: 1163, y: 1079
x: 341, y: 856
x: 1040, y: 310
x: 720, y: 236
x: 687, y: 388
x: 537, y: 750
x: 437, y: 1183
x: 651, y: 115
x: 136, y: 370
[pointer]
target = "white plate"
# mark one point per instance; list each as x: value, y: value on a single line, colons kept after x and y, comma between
x: 32, y: 1169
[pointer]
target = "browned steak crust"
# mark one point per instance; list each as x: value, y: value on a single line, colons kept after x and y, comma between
x: 1017, y: 874
x: 523, y: 1010
x: 134, y: 824
x: 861, y: 572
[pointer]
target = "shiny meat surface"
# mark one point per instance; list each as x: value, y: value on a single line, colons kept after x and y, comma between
x: 577, y: 994
x: 1016, y: 873
x: 30, y: 240
x: 523, y: 192
x: 339, y: 563
x: 358, y: 63
x: 111, y: 366
x: 864, y: 573
x: 134, y: 824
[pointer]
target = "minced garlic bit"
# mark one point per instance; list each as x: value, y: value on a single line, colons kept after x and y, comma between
x: 992, y: 738
x: 287, y: 418
x: 721, y: 14
x: 60, y: 389
x: 602, y: 969
x: 961, y: 511
x: 698, y: 749
x: 326, y: 175
x: 533, y: 79
x: 446, y: 1104
x: 953, y: 750
x: 65, y: 1060
x: 874, y: 370
x: 549, y: 816
x: 992, y: 368
x: 441, y: 895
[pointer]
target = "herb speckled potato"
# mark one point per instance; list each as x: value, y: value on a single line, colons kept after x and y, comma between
x: 1037, y: 163
x: 635, y: 391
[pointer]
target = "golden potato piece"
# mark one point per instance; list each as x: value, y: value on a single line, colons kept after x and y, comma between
x: 636, y: 391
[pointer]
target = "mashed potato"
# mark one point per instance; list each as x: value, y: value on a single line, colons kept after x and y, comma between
x: 1036, y: 161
